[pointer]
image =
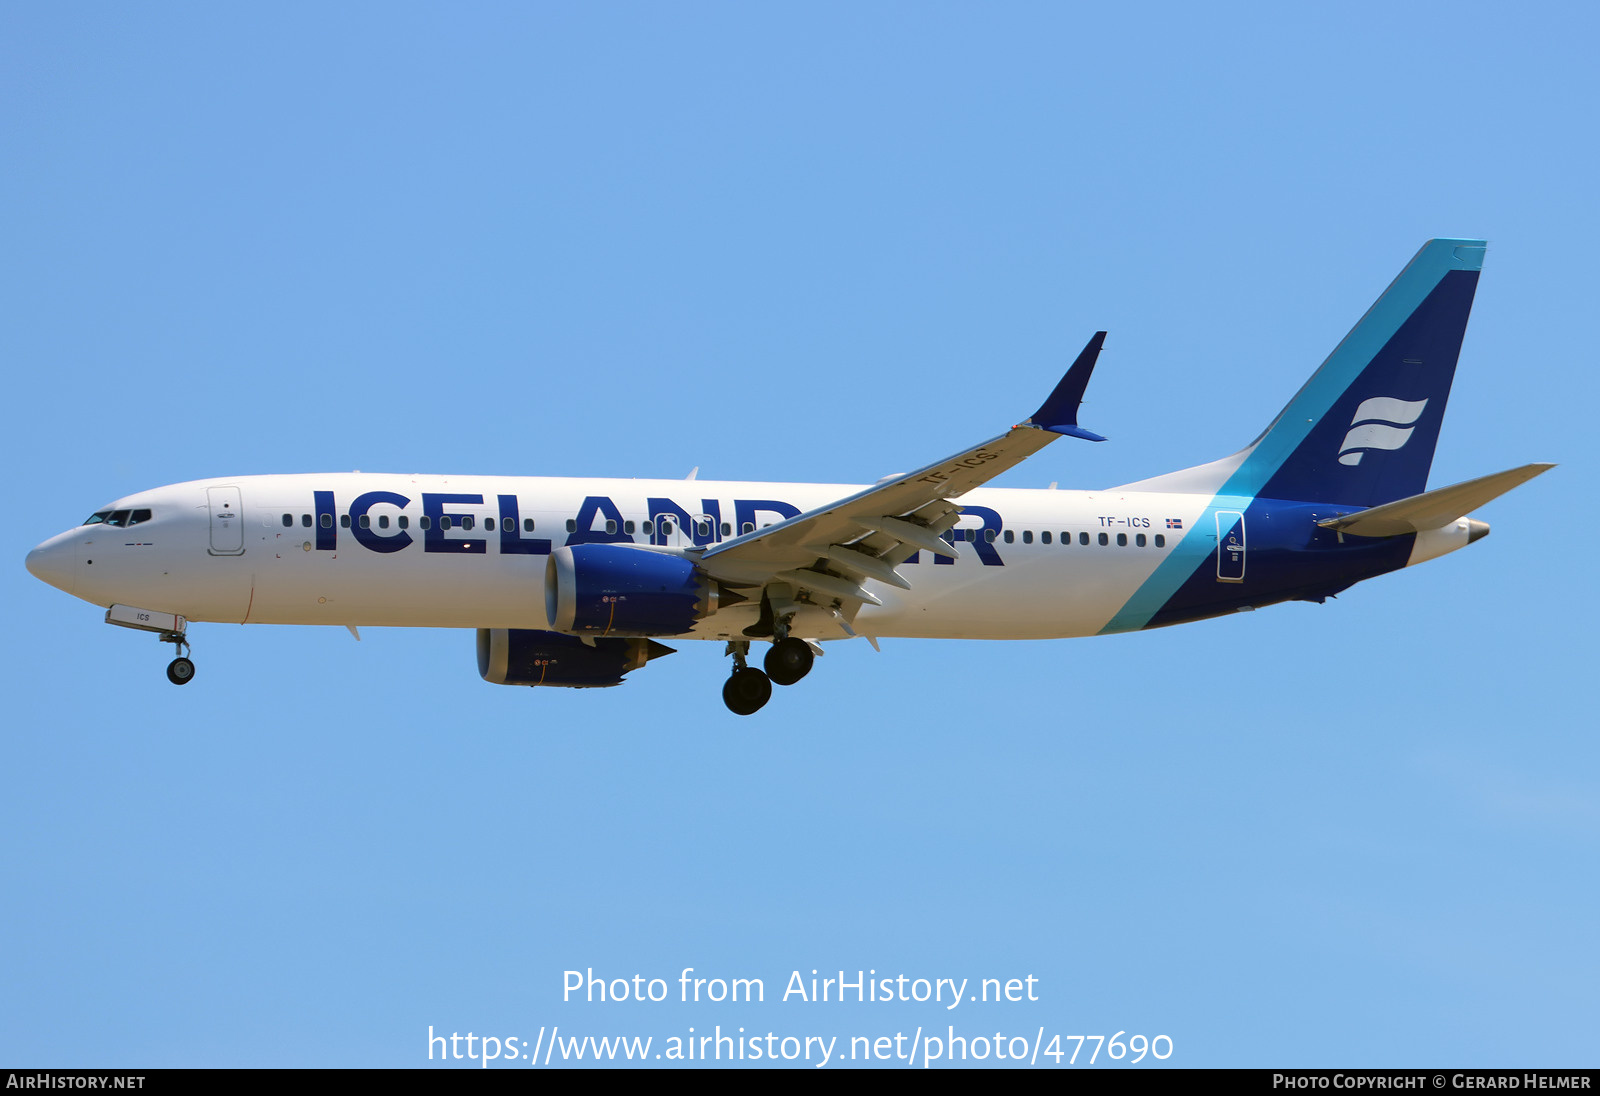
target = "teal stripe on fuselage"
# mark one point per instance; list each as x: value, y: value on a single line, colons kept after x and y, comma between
x: 1370, y: 334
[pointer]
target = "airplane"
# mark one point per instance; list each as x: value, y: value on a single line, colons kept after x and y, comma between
x: 574, y: 582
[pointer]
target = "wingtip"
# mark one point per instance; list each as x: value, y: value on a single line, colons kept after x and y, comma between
x: 1059, y: 412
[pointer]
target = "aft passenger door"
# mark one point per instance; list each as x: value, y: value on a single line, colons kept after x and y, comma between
x: 1230, y: 546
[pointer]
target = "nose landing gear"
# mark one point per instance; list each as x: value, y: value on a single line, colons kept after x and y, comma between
x: 168, y: 627
x: 180, y: 671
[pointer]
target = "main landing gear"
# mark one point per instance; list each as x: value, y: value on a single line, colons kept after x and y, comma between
x: 748, y: 689
x: 789, y: 660
x: 180, y: 671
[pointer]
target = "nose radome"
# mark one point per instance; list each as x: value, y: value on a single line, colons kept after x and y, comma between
x: 54, y: 562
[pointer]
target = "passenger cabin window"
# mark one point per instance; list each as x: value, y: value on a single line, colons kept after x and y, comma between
x: 1161, y: 541
x: 327, y: 521
x: 747, y: 527
x: 1027, y: 536
x: 1104, y: 540
x: 383, y: 521
x: 1083, y: 538
x: 424, y: 522
x: 288, y: 521
x: 405, y: 522
x: 1139, y: 540
x: 666, y: 528
x: 344, y: 521
x: 647, y: 525
x: 1044, y: 537
x: 1122, y: 540
x: 572, y: 525
x: 445, y: 521
x: 727, y: 528
x: 611, y: 527
x: 527, y: 525
x: 305, y: 520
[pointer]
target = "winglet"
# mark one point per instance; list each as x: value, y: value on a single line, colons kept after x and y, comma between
x: 1059, y: 413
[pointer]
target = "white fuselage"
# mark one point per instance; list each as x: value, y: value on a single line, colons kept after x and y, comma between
x: 219, y: 550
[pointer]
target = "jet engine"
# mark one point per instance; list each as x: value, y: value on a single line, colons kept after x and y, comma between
x: 621, y: 590
x: 518, y: 656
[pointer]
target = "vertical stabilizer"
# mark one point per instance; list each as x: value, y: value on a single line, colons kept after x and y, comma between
x: 1359, y: 434
x: 1362, y: 430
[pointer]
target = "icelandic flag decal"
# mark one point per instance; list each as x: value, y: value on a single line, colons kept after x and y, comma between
x: 1174, y: 523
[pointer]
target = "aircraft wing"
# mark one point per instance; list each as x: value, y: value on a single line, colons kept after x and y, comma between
x: 829, y: 552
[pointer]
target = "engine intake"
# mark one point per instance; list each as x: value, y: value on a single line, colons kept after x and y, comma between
x: 519, y: 656
x: 619, y: 590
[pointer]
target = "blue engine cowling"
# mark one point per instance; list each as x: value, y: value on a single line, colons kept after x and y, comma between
x: 621, y: 590
x: 519, y: 656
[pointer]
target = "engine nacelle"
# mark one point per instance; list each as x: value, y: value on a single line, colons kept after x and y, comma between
x: 619, y: 590
x: 518, y: 656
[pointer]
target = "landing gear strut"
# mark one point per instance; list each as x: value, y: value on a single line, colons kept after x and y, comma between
x: 180, y: 671
x: 748, y: 689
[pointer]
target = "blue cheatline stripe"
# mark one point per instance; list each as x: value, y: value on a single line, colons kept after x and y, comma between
x: 1370, y: 334
x: 1194, y: 550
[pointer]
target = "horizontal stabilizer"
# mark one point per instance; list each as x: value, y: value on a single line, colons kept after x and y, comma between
x: 1432, y: 509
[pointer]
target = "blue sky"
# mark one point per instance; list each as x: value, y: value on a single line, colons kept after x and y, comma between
x: 820, y: 243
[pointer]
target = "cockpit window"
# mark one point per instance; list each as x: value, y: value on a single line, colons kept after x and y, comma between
x: 118, y: 517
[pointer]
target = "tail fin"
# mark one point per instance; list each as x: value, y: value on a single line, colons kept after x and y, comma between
x: 1363, y: 429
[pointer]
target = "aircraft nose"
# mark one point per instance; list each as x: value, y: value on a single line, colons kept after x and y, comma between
x: 55, y: 561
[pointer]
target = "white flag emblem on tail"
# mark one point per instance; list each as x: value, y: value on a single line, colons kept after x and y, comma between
x: 1379, y: 423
